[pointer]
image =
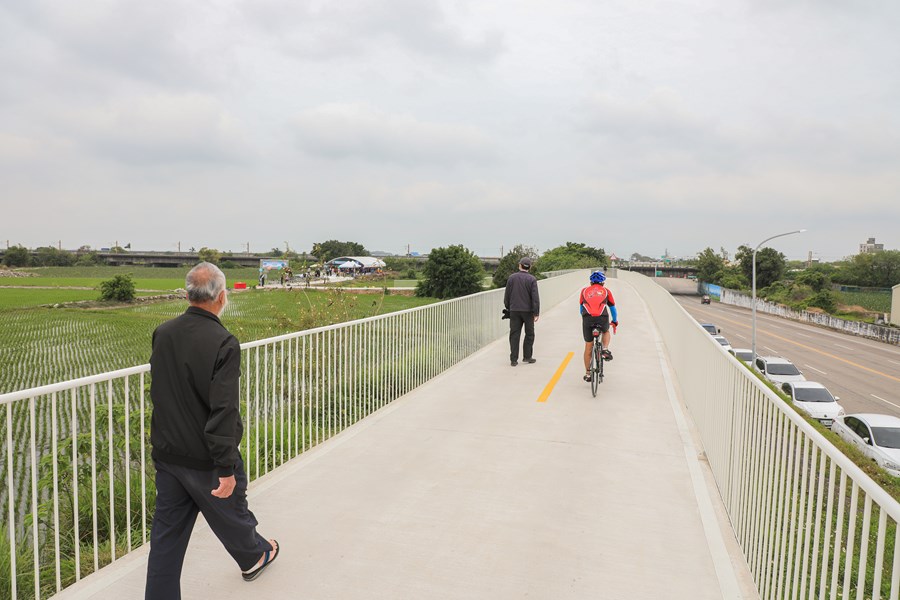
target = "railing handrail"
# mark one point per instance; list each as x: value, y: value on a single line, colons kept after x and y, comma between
x: 68, y: 384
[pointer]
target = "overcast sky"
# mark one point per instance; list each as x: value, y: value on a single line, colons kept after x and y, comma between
x: 634, y: 126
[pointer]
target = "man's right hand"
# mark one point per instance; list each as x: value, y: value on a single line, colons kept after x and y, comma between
x: 226, y: 487
x: 615, y: 325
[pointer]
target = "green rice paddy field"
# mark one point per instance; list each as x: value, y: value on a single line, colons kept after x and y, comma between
x: 41, y: 345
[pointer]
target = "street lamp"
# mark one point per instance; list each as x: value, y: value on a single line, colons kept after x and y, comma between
x: 753, y: 343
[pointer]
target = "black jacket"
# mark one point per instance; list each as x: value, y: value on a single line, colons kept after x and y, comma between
x: 195, y: 367
x: 522, y: 293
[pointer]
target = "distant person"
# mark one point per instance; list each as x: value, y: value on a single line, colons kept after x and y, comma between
x: 598, y: 309
x: 195, y: 432
x: 524, y: 305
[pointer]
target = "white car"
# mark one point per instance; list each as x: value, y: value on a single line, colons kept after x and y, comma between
x: 778, y: 370
x: 722, y: 341
x: 744, y: 354
x: 878, y: 436
x: 815, y: 400
x: 710, y: 328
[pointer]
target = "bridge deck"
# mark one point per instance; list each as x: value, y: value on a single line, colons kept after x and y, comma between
x: 470, y: 488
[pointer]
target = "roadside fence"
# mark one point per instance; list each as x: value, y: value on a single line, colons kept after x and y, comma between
x: 810, y: 522
x: 890, y: 335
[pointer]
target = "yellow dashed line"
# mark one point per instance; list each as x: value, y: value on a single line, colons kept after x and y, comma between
x: 817, y: 351
x: 549, y: 388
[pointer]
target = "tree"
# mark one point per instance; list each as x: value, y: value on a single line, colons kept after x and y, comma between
x: 509, y: 264
x: 325, y: 251
x: 709, y: 266
x: 210, y: 255
x: 878, y: 269
x: 119, y: 288
x: 572, y: 256
x: 275, y: 252
x: 451, y: 272
x: 48, y: 256
x: 17, y: 256
x: 815, y: 279
x: 770, y: 265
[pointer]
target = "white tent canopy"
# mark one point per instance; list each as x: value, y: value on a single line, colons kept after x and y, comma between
x: 356, y: 262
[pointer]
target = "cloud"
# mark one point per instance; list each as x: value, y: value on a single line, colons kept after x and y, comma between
x: 161, y: 129
x: 355, y: 131
x: 354, y: 27
x: 162, y: 43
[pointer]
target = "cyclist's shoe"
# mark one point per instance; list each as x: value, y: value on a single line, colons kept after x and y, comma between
x: 607, y: 355
x: 530, y: 361
x: 513, y: 363
x: 587, y: 377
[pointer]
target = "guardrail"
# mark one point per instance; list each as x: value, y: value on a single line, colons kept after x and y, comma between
x: 890, y: 335
x: 802, y: 511
x: 76, y: 491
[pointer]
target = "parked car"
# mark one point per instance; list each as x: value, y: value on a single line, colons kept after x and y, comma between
x: 722, y: 341
x: 712, y: 329
x: 778, y: 370
x: 878, y: 436
x: 705, y: 299
x: 814, y: 399
x: 744, y: 354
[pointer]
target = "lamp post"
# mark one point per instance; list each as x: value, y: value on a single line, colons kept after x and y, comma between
x: 753, y: 343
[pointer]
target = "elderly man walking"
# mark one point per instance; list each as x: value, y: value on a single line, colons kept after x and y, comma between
x: 524, y: 305
x: 195, y: 431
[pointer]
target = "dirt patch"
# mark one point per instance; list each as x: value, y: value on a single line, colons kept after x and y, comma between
x: 98, y: 304
x: 11, y: 274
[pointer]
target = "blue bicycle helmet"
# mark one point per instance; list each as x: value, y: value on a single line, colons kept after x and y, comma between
x: 597, y: 277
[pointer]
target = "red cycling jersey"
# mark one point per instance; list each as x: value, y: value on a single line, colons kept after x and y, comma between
x: 594, y: 299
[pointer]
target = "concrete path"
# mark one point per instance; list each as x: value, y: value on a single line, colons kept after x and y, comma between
x: 468, y: 487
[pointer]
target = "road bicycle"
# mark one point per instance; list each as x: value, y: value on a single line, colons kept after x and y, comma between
x: 597, y: 361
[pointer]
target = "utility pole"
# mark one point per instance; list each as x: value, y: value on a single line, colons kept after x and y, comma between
x: 407, y: 249
x: 809, y: 259
x: 179, y: 247
x: 248, y: 247
x: 501, y: 251
x: 59, y: 245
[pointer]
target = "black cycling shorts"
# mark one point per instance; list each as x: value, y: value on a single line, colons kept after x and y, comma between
x: 588, y: 323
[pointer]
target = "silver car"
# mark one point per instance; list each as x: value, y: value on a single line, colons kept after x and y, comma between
x: 877, y: 436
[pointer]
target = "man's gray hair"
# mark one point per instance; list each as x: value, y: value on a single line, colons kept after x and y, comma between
x: 204, y: 282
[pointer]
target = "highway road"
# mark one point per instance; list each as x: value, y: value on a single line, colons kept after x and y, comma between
x: 864, y: 373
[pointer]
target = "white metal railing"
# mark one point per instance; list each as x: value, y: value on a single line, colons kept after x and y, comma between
x: 890, y: 335
x: 75, y: 454
x: 804, y: 514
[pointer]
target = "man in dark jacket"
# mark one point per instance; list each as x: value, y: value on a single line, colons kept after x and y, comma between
x: 524, y: 305
x: 195, y: 431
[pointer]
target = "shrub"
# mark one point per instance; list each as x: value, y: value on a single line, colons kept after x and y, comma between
x: 120, y: 288
x: 824, y: 300
x: 411, y: 274
x: 451, y: 272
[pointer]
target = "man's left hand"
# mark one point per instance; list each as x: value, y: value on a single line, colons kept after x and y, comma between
x: 226, y: 487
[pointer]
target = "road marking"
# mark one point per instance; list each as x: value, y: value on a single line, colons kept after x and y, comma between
x: 549, y: 388
x: 817, y: 351
x: 802, y: 335
x: 815, y: 369
x: 893, y: 361
x: 844, y: 347
x: 885, y: 401
x: 772, y: 350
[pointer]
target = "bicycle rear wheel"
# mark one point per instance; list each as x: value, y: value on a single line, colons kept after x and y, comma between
x: 600, y: 361
x: 595, y: 369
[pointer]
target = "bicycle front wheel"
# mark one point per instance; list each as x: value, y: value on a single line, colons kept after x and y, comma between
x: 595, y: 369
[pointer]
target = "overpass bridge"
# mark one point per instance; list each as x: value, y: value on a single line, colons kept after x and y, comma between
x: 402, y: 457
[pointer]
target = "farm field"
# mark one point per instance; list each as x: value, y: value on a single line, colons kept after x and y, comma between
x: 40, y: 345
x: 874, y: 301
x: 145, y: 278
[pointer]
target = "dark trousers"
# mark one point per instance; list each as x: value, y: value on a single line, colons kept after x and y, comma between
x: 517, y: 318
x: 181, y: 493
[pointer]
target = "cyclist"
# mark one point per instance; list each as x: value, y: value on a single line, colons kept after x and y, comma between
x: 598, y: 310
